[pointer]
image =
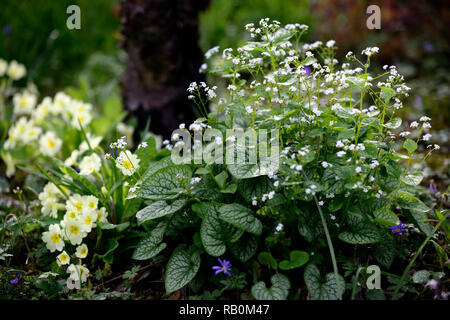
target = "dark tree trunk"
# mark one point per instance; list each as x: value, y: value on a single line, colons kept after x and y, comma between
x: 161, y: 39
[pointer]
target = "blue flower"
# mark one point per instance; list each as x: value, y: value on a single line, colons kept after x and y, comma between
x: 398, y: 229
x: 16, y: 279
x: 225, y: 267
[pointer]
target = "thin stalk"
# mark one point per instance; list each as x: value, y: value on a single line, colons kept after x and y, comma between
x: 330, y: 246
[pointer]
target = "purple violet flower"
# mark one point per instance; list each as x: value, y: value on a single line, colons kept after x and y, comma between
x: 398, y: 229
x: 225, y: 267
x: 16, y: 279
x: 307, y: 70
x: 433, y: 191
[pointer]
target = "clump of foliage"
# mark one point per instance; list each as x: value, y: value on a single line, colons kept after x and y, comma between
x: 343, y: 196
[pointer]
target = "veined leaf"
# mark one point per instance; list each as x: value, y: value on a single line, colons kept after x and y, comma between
x: 165, y: 184
x: 182, y: 267
x: 159, y: 209
x: 215, y: 233
x: 323, y: 289
x: 278, y: 291
x: 241, y: 217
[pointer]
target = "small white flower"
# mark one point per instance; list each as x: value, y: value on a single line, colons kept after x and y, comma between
x: 427, y: 137
x: 279, y: 227
x: 414, y: 124
x: 358, y: 169
x: 321, y: 203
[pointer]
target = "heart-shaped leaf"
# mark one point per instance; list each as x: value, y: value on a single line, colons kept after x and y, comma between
x: 267, y: 259
x: 297, y: 259
x: 182, y: 267
x: 215, y: 233
x: 278, y: 291
x: 323, y: 289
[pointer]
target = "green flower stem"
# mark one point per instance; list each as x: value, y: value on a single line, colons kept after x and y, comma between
x: 53, y: 181
x: 330, y: 246
x: 399, y: 284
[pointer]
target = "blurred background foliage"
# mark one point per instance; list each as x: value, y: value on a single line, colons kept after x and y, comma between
x: 413, y: 36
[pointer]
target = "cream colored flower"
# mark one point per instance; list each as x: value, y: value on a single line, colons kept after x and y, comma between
x: 102, y: 215
x: 78, y: 272
x: 50, y: 144
x: 63, y: 259
x: 24, y: 103
x: 81, y: 251
x: 42, y: 111
x: 127, y: 162
x: 53, y: 238
x: 90, y: 164
x: 74, y: 231
x: 16, y: 70
x: 93, y: 141
x: 60, y: 104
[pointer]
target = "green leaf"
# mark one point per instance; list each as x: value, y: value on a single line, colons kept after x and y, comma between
x: 267, y: 259
x: 245, y: 247
x: 156, y: 166
x: 108, y: 257
x: 413, y: 179
x: 231, y: 188
x: 386, y: 93
x: 393, y: 123
x: 410, y: 145
x: 159, y: 209
x: 165, y: 184
x: 297, y: 259
x: 323, y: 289
x: 363, y: 232
x: 215, y: 233
x: 256, y: 187
x: 407, y: 201
x: 278, y: 291
x: 240, y: 217
x: 131, y: 207
x: 421, y: 276
x: 221, y: 179
x: 150, y: 246
x: 386, y: 217
x: 110, y: 226
x: 182, y: 267
x: 384, y: 252
x: 146, y: 154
